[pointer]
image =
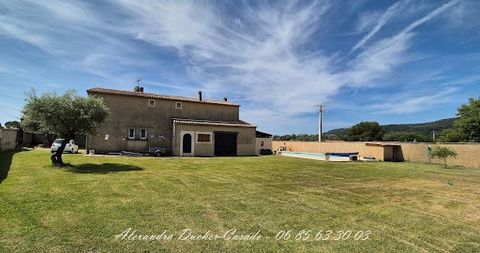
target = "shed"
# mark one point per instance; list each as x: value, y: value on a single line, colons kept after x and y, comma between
x: 384, y: 151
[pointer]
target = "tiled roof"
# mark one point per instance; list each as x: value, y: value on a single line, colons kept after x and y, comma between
x: 263, y: 134
x: 211, y: 122
x: 158, y: 96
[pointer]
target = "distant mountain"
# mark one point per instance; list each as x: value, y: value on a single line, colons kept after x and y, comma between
x: 422, y: 129
x: 395, y: 132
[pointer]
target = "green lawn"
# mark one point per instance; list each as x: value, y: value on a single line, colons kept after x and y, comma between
x: 407, y: 207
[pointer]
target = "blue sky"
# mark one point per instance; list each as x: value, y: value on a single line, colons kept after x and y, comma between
x: 388, y: 61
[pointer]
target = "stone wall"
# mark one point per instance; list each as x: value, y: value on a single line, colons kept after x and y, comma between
x: 8, y: 139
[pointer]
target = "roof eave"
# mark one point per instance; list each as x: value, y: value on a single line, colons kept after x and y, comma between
x: 156, y: 96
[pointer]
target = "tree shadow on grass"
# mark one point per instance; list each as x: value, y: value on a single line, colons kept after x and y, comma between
x: 5, y: 163
x: 103, y: 168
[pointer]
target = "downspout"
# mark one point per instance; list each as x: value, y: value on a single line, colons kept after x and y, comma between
x: 173, y: 137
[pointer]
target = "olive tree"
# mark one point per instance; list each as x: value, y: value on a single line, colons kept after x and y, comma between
x: 67, y: 116
x: 443, y: 152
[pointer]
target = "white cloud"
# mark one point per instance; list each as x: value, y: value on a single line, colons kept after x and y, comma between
x: 71, y: 32
x: 366, y: 21
x: 411, y: 102
x: 431, y: 15
x: 381, y: 57
x: 267, y: 55
x: 382, y: 20
x: 257, y: 55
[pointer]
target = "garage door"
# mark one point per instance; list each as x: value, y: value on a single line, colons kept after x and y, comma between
x: 225, y: 144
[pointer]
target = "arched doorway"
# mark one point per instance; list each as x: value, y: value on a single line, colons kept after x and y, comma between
x: 186, y: 147
x: 187, y: 143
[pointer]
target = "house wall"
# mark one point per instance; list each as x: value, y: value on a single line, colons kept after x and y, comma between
x: 129, y: 111
x: 8, y: 139
x: 468, y: 154
x: 245, y: 139
x: 267, y: 144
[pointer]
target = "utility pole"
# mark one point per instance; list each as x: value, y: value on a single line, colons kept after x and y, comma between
x: 433, y: 135
x: 321, y: 110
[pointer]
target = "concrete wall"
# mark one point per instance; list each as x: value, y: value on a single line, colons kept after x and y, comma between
x: 127, y: 111
x: 323, y: 147
x: 8, y: 139
x: 468, y: 154
x: 245, y: 139
x: 267, y: 144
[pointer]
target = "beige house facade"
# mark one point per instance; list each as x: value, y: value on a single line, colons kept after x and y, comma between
x: 182, y: 126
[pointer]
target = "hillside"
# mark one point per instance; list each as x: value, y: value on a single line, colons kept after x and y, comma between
x: 424, y: 129
x: 393, y: 132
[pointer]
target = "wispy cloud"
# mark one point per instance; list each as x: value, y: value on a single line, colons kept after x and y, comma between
x: 268, y: 55
x: 381, y: 57
x: 411, y: 102
x: 431, y: 15
x: 391, y: 11
x: 257, y: 55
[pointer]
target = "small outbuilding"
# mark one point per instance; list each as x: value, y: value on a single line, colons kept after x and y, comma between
x: 384, y: 151
x: 263, y: 143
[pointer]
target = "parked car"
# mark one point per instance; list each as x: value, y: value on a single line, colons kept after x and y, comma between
x: 71, y: 147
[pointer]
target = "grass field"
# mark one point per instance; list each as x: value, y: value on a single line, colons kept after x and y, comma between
x: 407, y: 207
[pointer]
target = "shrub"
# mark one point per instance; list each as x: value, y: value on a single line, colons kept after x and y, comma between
x: 443, y: 152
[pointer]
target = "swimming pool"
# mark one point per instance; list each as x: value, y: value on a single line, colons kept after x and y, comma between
x: 315, y: 156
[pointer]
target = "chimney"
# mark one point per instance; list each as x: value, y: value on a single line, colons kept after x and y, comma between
x: 225, y: 99
x: 200, y: 96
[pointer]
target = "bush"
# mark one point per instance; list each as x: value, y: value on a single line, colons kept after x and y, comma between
x: 451, y: 135
x: 443, y: 152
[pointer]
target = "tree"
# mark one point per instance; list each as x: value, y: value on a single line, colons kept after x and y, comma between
x: 67, y: 116
x: 365, y: 131
x: 451, y: 135
x: 1, y: 127
x: 468, y: 123
x: 12, y: 124
x: 443, y: 152
x: 405, y: 136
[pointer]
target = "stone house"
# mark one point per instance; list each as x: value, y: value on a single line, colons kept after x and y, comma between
x: 183, y: 126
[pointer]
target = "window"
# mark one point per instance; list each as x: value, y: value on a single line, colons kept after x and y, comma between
x: 178, y: 105
x: 204, y: 137
x: 151, y: 103
x: 143, y: 134
x: 131, y: 133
